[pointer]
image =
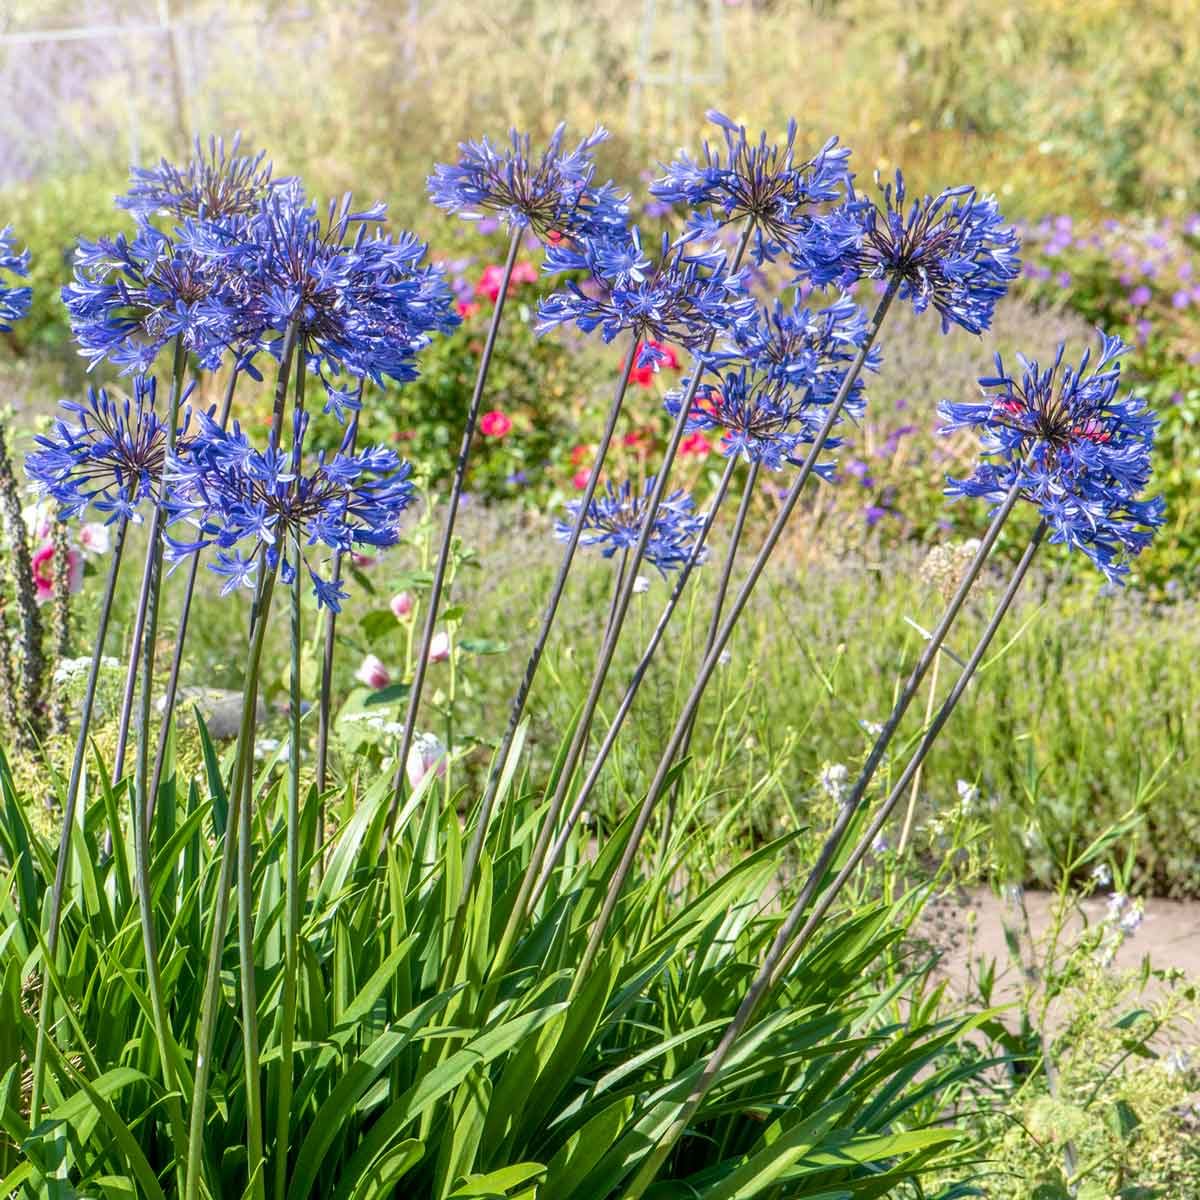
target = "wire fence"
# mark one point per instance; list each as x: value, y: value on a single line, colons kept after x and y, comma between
x: 94, y: 83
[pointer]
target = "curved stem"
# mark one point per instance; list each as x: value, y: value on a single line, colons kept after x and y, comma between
x: 172, y: 691
x: 210, y: 994
x: 456, y: 490
x: 931, y: 699
x: 666, y: 762
x: 142, y: 850
x: 291, y: 949
x: 326, y: 701
x: 784, y: 951
x: 714, y: 621
x: 631, y: 690
x: 68, y: 820
x: 517, y: 708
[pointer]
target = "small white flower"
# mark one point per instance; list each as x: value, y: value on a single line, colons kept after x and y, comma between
x: 641, y: 585
x: 94, y: 539
x: 1102, y: 874
x: 880, y: 845
x: 1177, y: 1062
x: 833, y: 779
x: 968, y: 794
x: 724, y: 658
x: 874, y: 728
x: 427, y: 753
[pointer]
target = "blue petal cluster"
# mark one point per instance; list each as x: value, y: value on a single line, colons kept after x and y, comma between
x: 211, y: 185
x: 552, y: 195
x: 1080, y: 452
x: 615, y: 519
x: 110, y: 459
x: 131, y: 296
x: 364, y: 305
x: 951, y: 251
x: 683, y: 296
x: 781, y: 370
x: 808, y: 348
x: 249, y: 504
x: 14, y: 301
x: 755, y: 179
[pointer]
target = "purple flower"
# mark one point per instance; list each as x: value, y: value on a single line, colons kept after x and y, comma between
x: 615, y: 520
x: 755, y: 180
x: 210, y: 185
x: 14, y: 301
x: 951, y: 251
x: 110, y: 459
x: 1078, y: 451
x: 551, y: 194
x: 249, y: 505
x: 1140, y: 296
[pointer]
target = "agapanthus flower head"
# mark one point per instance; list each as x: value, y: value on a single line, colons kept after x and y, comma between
x: 109, y: 458
x: 759, y: 416
x: 758, y: 180
x: 14, y: 301
x: 211, y: 185
x: 362, y: 301
x: 552, y: 194
x: 131, y: 296
x: 809, y: 349
x: 683, y: 296
x: 952, y: 251
x: 615, y: 519
x: 1079, y: 451
x: 249, y: 505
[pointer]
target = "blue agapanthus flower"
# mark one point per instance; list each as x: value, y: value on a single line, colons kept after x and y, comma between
x: 616, y: 517
x: 14, y: 301
x: 131, y: 296
x: 807, y: 348
x: 210, y: 185
x: 249, y: 505
x: 952, y: 251
x: 1078, y: 450
x: 759, y: 180
x: 110, y: 458
x: 552, y: 195
x: 362, y: 304
x: 683, y: 296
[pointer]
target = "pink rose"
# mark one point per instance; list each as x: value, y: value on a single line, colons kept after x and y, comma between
x: 402, y: 605
x: 439, y: 648
x: 373, y: 673
x: 495, y: 424
x: 43, y: 572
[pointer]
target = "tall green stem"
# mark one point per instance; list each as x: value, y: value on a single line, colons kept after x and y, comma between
x: 210, y: 995
x: 148, y: 622
x: 456, y: 490
x: 788, y: 945
x: 172, y: 692
x: 291, y: 948
x: 68, y: 820
x: 671, y: 750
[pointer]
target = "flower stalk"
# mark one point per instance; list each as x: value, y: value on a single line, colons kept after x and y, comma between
x: 68, y: 820
x: 456, y: 490
x: 788, y: 945
x: 709, y: 666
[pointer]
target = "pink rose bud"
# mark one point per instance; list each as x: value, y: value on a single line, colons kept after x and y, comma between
x: 439, y: 648
x: 427, y: 753
x: 373, y: 673
x: 402, y: 605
